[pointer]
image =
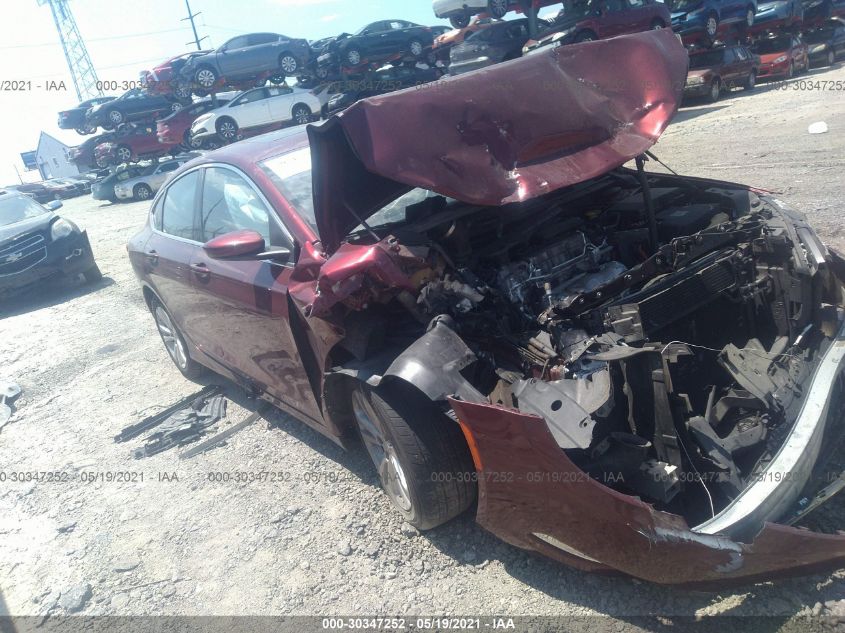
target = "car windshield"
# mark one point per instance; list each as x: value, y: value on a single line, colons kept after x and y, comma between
x: 15, y: 209
x: 685, y: 5
x: 705, y: 60
x: 819, y: 35
x: 774, y: 45
x: 291, y: 174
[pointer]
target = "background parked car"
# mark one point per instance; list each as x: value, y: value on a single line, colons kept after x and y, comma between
x: 104, y: 189
x: 443, y: 44
x: 131, y: 145
x: 778, y: 14
x: 257, y: 108
x: 83, y: 155
x: 145, y: 185
x: 176, y: 128
x: 781, y: 56
x: 75, y: 118
x: 164, y: 78
x: 709, y: 18
x: 377, y: 83
x: 35, y: 190
x: 378, y: 41
x: 246, y: 57
x: 714, y: 71
x: 460, y: 12
x: 817, y: 11
x: 64, y: 188
x: 588, y: 20
x: 132, y: 105
x: 827, y: 42
x: 36, y: 244
x: 498, y: 43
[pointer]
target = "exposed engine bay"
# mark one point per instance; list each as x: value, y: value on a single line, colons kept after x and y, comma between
x: 663, y: 328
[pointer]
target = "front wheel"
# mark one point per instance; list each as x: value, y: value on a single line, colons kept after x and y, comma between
x: 749, y: 16
x: 751, y: 81
x: 711, y: 26
x: 420, y: 454
x: 353, y: 57
x: 831, y: 57
x: 288, y: 64
x: 416, y: 48
x: 459, y: 21
x: 174, y: 342
x: 142, y: 192
x: 205, y: 77
x: 497, y: 8
x: 656, y: 25
x: 301, y: 114
x: 123, y: 154
x: 585, y: 36
x: 715, y: 91
x: 227, y: 129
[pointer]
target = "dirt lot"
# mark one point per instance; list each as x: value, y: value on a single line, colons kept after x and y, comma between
x: 323, y: 540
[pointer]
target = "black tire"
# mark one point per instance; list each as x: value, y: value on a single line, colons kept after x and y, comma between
x: 497, y: 8
x: 301, y: 114
x: 210, y: 144
x: 84, y: 131
x: 277, y: 79
x: 750, y: 81
x: 830, y: 60
x: 182, y: 91
x: 288, y: 64
x: 715, y: 90
x: 424, y: 465
x: 189, y: 142
x: 586, y: 36
x: 93, y: 274
x: 205, y: 77
x: 102, y: 163
x: 353, y: 56
x: 416, y: 49
x: 460, y: 21
x: 657, y: 24
x: 185, y: 364
x: 791, y: 72
x: 712, y: 26
x: 227, y: 129
x: 142, y: 192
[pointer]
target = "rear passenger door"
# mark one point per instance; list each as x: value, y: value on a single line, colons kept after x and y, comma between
x: 280, y: 102
x: 242, y: 318
x: 171, y: 247
x: 263, y: 52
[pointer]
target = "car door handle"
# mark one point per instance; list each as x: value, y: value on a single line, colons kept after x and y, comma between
x: 152, y: 257
x: 201, y: 271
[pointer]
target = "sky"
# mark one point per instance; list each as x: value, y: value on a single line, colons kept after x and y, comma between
x: 124, y: 37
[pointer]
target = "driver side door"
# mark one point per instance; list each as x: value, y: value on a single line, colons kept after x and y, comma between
x: 233, y: 57
x: 241, y: 318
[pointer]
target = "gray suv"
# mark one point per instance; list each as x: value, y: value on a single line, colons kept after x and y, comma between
x: 248, y: 57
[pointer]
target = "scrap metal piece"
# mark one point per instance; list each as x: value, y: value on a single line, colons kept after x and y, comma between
x: 217, y: 440
x: 184, y: 426
x: 136, y: 430
x: 566, y: 405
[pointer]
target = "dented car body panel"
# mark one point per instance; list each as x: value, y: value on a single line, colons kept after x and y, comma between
x: 499, y: 135
x: 647, y: 368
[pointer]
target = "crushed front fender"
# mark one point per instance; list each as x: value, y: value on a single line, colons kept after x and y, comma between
x: 531, y: 495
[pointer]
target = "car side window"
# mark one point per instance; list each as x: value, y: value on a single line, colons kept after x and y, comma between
x: 230, y: 203
x: 177, y: 210
x: 741, y: 54
x: 168, y: 167
x: 636, y: 4
x: 251, y: 96
x: 241, y: 41
x: 257, y: 39
x: 277, y: 91
x: 615, y: 5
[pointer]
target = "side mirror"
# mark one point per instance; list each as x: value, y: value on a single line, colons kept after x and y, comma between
x: 54, y: 205
x: 235, y: 244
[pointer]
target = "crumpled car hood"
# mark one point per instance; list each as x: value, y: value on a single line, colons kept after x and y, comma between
x: 499, y: 135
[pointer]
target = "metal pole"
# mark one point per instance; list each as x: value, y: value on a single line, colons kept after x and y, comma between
x: 191, y: 17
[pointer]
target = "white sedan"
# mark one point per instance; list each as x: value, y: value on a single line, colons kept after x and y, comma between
x: 459, y: 12
x: 257, y: 108
x: 145, y: 186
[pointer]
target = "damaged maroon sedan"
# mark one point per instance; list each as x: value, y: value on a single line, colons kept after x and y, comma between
x: 630, y: 371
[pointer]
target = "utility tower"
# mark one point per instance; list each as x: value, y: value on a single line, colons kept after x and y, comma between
x: 79, y: 63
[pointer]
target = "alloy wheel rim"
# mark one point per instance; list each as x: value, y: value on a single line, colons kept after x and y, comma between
x: 143, y: 193
x: 382, y: 453
x: 288, y: 64
x: 657, y: 26
x: 749, y: 18
x: 301, y: 116
x: 714, y: 91
x: 711, y: 26
x: 227, y: 130
x: 499, y: 7
x: 752, y: 80
x: 171, y: 339
x: 115, y: 116
x: 831, y: 58
x: 124, y: 154
x: 354, y: 57
x: 176, y: 107
x: 416, y: 49
x: 205, y: 78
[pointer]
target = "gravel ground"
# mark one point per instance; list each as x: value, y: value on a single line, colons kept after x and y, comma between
x: 323, y: 540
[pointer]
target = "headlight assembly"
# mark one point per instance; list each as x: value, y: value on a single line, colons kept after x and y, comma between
x: 61, y: 228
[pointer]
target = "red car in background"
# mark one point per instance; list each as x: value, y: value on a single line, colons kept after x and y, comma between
x: 163, y: 79
x: 600, y: 19
x: 176, y: 128
x: 782, y: 56
x: 131, y: 146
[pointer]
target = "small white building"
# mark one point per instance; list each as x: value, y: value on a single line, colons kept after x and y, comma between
x: 52, y: 160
